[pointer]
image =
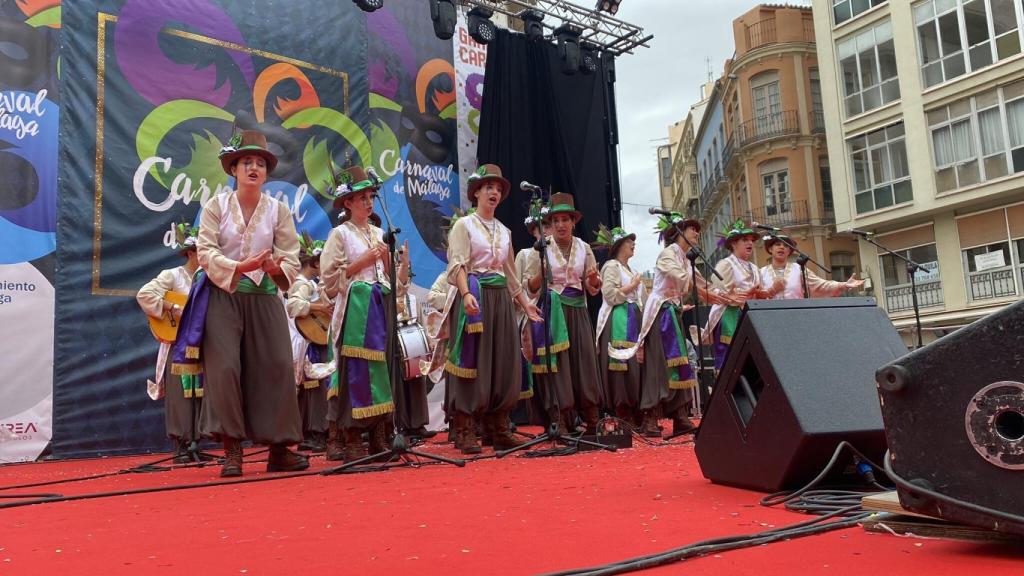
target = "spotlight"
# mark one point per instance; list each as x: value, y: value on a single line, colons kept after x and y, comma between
x: 369, y: 5
x: 442, y: 12
x: 532, y: 24
x: 609, y: 6
x: 568, y: 36
x: 480, y: 26
x: 588, y: 58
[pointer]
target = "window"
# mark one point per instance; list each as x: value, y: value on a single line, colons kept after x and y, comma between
x: 775, y: 186
x: 826, y: 189
x: 843, y: 265
x: 970, y: 137
x: 868, y: 64
x: 843, y: 10
x: 959, y: 36
x: 898, y: 297
x: 880, y: 174
x: 766, y: 102
x: 666, y: 172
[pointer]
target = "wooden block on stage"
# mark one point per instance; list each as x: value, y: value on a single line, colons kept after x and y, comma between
x: 904, y: 522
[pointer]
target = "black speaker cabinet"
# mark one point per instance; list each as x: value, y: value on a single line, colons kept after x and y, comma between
x: 954, y: 420
x: 799, y: 379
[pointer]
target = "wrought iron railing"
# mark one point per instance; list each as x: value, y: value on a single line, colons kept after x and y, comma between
x: 900, y: 299
x: 817, y: 122
x: 710, y: 186
x: 791, y: 213
x: 772, y: 125
x: 992, y: 284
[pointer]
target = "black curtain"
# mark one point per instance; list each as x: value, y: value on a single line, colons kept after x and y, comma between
x: 552, y: 129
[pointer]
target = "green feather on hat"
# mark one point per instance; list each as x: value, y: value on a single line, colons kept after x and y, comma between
x: 308, y: 247
x: 735, y: 230
x: 185, y: 237
x: 611, y: 239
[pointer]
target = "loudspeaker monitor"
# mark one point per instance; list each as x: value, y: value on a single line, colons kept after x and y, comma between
x: 798, y: 380
x: 954, y: 420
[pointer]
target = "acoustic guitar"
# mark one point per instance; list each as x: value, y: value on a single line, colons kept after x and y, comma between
x: 314, y: 327
x: 165, y: 328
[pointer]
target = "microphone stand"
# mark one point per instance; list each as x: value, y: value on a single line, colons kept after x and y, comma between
x: 912, y: 268
x: 399, y: 445
x: 706, y: 384
x: 802, y: 260
x: 551, y: 433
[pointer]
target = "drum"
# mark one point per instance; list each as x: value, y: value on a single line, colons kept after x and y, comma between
x: 415, y: 350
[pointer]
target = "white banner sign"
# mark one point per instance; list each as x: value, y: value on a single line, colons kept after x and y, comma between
x: 989, y: 261
x: 470, y: 61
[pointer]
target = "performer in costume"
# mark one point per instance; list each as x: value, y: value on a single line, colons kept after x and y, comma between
x: 236, y: 328
x: 306, y: 297
x: 618, y: 322
x: 741, y: 280
x: 355, y: 270
x: 182, y: 394
x: 485, y: 378
x: 789, y: 272
x: 574, y: 379
x: 412, y: 416
x: 537, y: 228
x: 668, y: 379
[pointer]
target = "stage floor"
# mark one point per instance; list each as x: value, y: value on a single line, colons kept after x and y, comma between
x: 509, y: 516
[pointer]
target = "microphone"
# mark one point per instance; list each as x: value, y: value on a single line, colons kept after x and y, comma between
x: 862, y: 233
x: 373, y: 175
x: 659, y: 211
x: 527, y: 187
x: 764, y: 227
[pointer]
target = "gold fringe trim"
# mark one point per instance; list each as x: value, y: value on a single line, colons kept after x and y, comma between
x: 682, y: 384
x: 561, y: 347
x: 332, y: 393
x: 475, y: 328
x: 543, y: 369
x: 364, y: 353
x: 310, y: 384
x: 192, y: 352
x: 725, y: 339
x: 186, y: 369
x: 618, y: 368
x: 681, y: 361
x: 469, y: 373
x: 375, y: 410
x: 188, y: 393
x: 622, y: 344
x: 527, y: 394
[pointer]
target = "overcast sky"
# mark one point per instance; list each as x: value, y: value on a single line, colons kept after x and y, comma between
x: 655, y: 88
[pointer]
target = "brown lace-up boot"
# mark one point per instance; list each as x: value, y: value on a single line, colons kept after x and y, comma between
x: 354, y: 448
x: 335, y: 442
x: 470, y: 445
x: 232, y: 458
x: 503, y: 438
x: 284, y: 460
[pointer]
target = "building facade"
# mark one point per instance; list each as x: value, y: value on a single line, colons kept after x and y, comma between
x: 768, y: 160
x: 685, y: 178
x: 924, y: 116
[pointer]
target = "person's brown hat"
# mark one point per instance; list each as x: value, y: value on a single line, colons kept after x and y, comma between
x: 562, y: 203
x: 483, y: 174
x: 246, y: 143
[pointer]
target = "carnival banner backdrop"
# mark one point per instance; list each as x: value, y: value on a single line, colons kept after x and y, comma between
x: 29, y: 116
x: 152, y: 90
x: 470, y: 61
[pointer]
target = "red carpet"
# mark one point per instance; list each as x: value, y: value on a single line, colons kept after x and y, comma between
x: 510, y: 516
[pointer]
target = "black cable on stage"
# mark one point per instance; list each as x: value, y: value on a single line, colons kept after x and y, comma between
x: 843, y: 504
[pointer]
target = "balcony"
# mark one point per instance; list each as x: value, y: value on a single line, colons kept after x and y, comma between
x: 769, y: 126
x: 990, y: 284
x: 728, y: 153
x: 900, y: 298
x: 711, y: 186
x: 761, y: 33
x: 790, y: 214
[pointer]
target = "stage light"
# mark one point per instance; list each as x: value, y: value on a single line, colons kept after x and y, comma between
x: 609, y: 6
x: 442, y: 12
x: 588, y: 58
x: 568, y: 36
x: 480, y: 26
x: 532, y: 24
x: 369, y: 5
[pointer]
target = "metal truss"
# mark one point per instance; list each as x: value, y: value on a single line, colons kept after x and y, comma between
x: 606, y: 32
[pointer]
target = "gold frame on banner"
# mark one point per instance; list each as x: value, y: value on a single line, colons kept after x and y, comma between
x: 101, y: 67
